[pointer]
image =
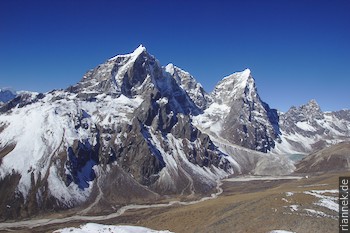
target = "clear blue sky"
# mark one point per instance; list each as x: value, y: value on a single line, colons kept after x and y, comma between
x: 297, y: 50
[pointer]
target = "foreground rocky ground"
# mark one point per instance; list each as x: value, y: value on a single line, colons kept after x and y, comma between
x: 297, y: 205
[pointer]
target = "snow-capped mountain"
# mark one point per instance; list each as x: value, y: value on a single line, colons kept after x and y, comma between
x: 306, y: 129
x: 238, y: 115
x: 124, y: 133
x: 134, y: 131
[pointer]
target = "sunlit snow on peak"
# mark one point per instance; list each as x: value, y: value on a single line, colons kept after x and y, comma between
x: 137, y: 52
x: 238, y: 77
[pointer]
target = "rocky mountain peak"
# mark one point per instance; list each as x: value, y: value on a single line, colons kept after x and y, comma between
x: 237, y: 78
x: 306, y: 128
x: 122, y: 74
x: 308, y: 112
x: 239, y: 115
x: 188, y: 83
x: 311, y: 106
x: 235, y: 86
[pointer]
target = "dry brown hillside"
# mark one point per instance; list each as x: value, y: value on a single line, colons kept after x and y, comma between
x: 333, y: 158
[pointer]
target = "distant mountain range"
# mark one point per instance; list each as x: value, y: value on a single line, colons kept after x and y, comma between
x: 6, y: 95
x: 133, y: 131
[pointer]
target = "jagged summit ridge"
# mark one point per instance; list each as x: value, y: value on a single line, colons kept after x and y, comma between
x: 187, y: 82
x: 116, y: 75
x: 137, y: 74
x: 309, y: 112
x: 137, y: 52
x: 307, y: 128
x: 119, y: 75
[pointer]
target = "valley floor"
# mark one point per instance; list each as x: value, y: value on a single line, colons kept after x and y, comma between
x: 246, y: 205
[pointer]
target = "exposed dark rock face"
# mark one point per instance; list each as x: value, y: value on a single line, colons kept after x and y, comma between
x: 82, y: 156
x: 188, y: 83
x: 10, y: 202
x: 138, y: 157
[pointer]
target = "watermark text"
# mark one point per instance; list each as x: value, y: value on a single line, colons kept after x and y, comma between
x: 344, y: 184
